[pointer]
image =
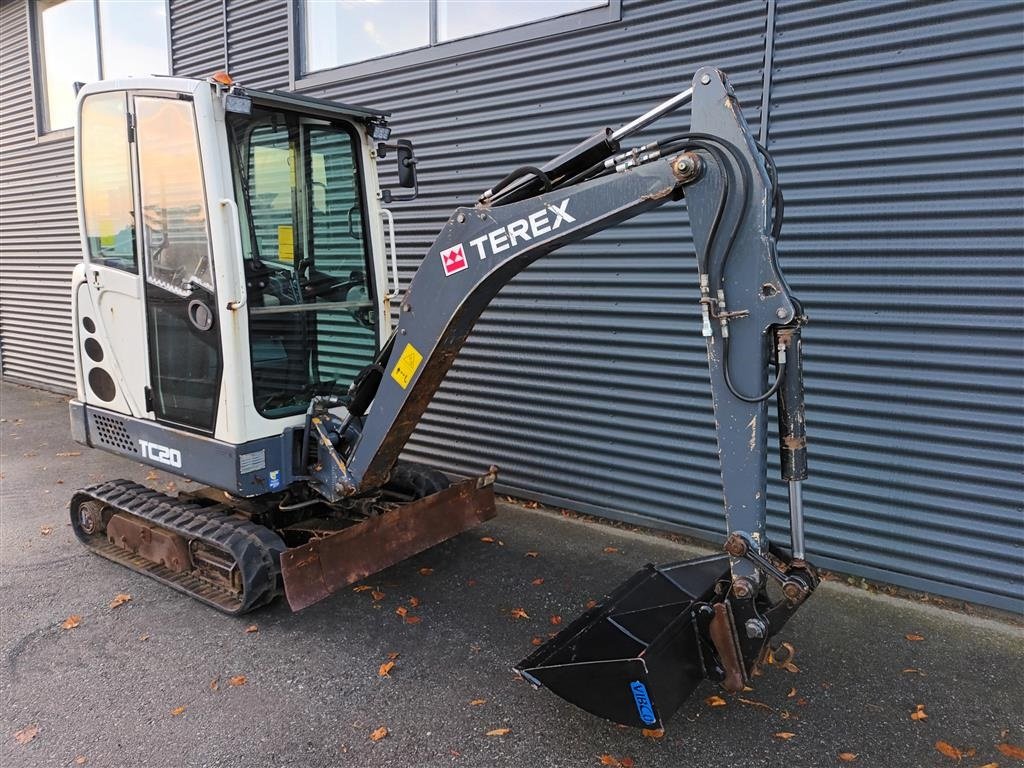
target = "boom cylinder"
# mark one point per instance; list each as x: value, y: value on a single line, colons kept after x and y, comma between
x: 793, y: 432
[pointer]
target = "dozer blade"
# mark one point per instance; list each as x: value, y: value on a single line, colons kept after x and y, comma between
x: 637, y: 656
x: 323, y: 566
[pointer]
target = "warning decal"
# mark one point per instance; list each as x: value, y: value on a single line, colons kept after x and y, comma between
x: 406, y: 366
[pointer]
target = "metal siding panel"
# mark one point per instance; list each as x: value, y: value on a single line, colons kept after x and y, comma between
x: 38, y: 230
x: 197, y: 37
x: 258, y: 43
x: 899, y: 151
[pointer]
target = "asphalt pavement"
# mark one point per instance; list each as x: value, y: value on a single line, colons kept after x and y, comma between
x: 149, y: 683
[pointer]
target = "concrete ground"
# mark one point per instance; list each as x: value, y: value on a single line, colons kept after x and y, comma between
x: 104, y: 693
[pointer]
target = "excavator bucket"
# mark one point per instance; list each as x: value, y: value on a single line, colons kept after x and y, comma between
x: 637, y: 656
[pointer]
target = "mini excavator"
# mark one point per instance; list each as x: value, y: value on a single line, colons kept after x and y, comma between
x: 238, y: 321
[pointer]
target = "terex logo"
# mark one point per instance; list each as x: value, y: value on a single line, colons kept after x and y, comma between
x: 453, y: 260
x: 501, y: 239
x: 161, y: 453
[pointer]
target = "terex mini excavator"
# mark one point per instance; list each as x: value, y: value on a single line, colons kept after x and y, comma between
x: 233, y: 325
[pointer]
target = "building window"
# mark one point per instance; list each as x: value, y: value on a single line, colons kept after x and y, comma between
x: 86, y: 40
x: 342, y: 32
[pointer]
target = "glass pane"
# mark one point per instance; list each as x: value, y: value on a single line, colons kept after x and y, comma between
x: 173, y: 206
x: 68, y: 51
x: 134, y: 37
x: 345, y: 31
x: 462, y: 18
x: 107, y: 181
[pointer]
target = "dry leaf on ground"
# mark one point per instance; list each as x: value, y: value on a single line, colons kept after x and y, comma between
x: 251, y: 629
x: 533, y: 554
x: 477, y: 702
x: 81, y: 760
x: 914, y: 638
x: 519, y: 613
x: 237, y: 680
x: 590, y: 604
x: 120, y: 599
x: 919, y: 713
x: 414, y: 602
x: 177, y: 711
x: 46, y: 530
x: 1011, y: 750
x: 847, y: 757
x: 377, y: 595
x: 752, y: 703
x: 71, y: 621
x: 784, y: 735
x: 556, y: 620
x: 26, y: 734
x: 385, y: 669
x: 715, y: 701
x: 537, y: 582
x: 392, y: 655
x: 361, y: 588
x: 498, y: 732
x: 65, y: 454
x: 143, y: 638
x: 401, y: 610
x: 791, y: 694
x: 426, y: 571
x: 413, y: 619
x: 487, y: 539
x: 653, y: 733
x: 535, y: 640
x: 379, y: 734
x: 910, y: 670
x: 610, y: 550
x: 215, y: 684
x: 990, y: 765
x: 948, y: 750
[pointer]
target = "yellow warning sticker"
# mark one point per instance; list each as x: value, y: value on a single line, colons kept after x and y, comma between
x: 406, y: 366
x: 285, y: 243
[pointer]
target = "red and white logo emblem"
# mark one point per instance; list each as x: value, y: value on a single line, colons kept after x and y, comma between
x: 453, y: 260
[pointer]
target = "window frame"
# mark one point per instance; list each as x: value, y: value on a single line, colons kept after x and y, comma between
x: 556, y: 25
x: 37, y: 71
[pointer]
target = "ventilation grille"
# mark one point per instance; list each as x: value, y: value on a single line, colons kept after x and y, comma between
x: 111, y: 431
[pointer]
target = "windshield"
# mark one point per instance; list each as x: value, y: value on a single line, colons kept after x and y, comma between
x: 312, y: 313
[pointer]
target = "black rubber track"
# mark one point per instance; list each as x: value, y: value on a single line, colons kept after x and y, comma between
x: 255, y: 548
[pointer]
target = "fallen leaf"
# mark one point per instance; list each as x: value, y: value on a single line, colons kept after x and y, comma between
x: 426, y: 571
x: 537, y: 640
x: 237, y: 680
x: 914, y: 638
x: 715, y: 701
x: 533, y: 554
x: 990, y: 765
x: 789, y: 666
x: 531, y: 504
x: 65, y: 454
x: 948, y: 750
x: 498, y: 732
x: 71, y: 621
x: 414, y: 602
x: 847, y: 757
x: 909, y: 670
x: 784, y: 735
x: 392, y: 655
x: 81, y: 760
x: 610, y: 550
x: 401, y: 610
x: 487, y: 539
x: 519, y: 613
x: 215, y: 684
x: 477, y: 702
x: 177, y: 711
x: 251, y: 629
x: 537, y: 582
x: 385, y: 669
x: 653, y: 733
x: 752, y: 703
x: 556, y: 620
x: 919, y: 713
x: 46, y: 530
x: 151, y: 475
x: 791, y: 694
x: 590, y: 604
x: 608, y: 760
x: 377, y: 595
x: 379, y: 734
x: 626, y: 762
x: 1011, y: 750
x: 413, y: 619
x: 361, y: 588
x: 747, y: 689
x: 120, y: 599
x: 143, y: 638
x: 26, y: 734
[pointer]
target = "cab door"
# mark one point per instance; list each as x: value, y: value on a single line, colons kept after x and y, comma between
x: 184, y: 339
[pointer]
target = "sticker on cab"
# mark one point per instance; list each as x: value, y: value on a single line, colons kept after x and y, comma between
x: 407, y: 365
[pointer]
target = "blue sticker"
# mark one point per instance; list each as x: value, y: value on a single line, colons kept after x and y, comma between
x: 275, y: 478
x: 643, y: 702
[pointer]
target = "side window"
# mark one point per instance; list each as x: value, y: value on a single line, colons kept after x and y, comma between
x: 107, y: 181
x: 177, y: 246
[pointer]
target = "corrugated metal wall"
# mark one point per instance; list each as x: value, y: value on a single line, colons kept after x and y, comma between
x: 38, y: 226
x: 897, y: 132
